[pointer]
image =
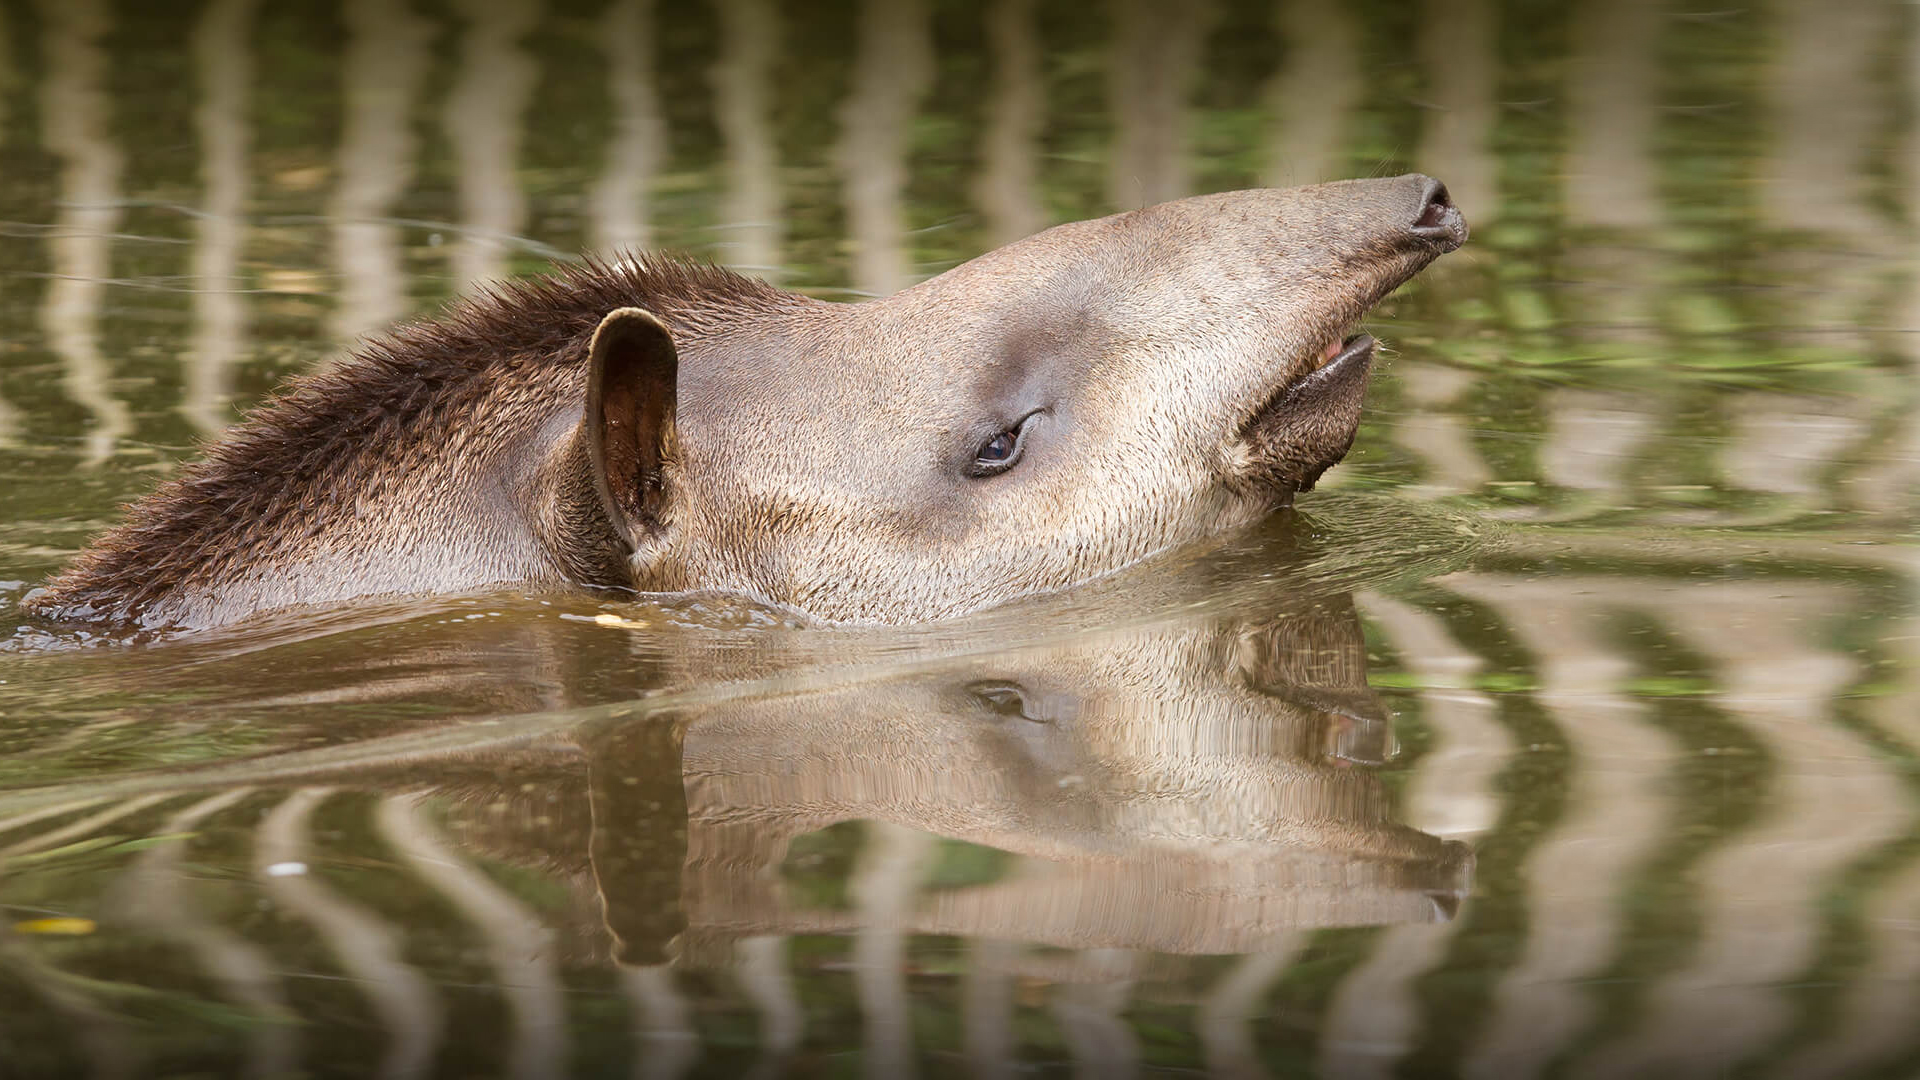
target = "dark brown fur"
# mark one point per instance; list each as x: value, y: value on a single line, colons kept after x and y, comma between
x: 355, y: 424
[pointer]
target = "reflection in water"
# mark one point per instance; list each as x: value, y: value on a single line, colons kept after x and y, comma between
x: 662, y: 1023
x: 1154, y: 63
x: 1438, y: 435
x: 517, y: 945
x: 1782, y: 443
x: 1593, y: 442
x: 484, y: 117
x: 1210, y: 785
x: 224, y: 61
x: 157, y: 895
x: 74, y: 115
x: 385, y: 63
x: 1452, y: 794
x: 1227, y: 1015
x: 1217, y: 758
x: 1007, y: 188
x: 891, y: 74
x: 1314, y: 92
x: 1612, y: 195
x: 1760, y: 892
x: 1457, y: 57
x: 1828, y: 110
x: 370, y: 951
x: 1616, y: 816
x: 9, y: 416
x: 639, y: 137
x: 1613, y: 87
x: 1823, y: 94
x: 1196, y: 788
x: 749, y: 33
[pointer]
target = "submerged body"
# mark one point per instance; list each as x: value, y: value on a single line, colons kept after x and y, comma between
x: 1042, y: 415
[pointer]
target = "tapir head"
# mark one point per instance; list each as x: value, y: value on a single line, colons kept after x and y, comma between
x: 1042, y: 415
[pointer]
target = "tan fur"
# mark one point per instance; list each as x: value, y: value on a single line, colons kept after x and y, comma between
x: 817, y: 450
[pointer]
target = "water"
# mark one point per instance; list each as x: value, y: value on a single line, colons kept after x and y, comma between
x: 1571, y: 729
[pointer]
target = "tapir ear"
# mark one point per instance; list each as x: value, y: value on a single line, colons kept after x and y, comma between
x: 632, y: 369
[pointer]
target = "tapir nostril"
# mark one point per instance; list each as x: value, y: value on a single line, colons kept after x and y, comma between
x: 1435, y: 206
x: 1438, y: 219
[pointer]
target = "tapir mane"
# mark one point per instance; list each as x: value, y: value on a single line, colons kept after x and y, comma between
x: 330, y: 439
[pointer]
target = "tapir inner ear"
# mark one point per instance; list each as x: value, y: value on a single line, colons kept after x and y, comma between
x: 632, y: 370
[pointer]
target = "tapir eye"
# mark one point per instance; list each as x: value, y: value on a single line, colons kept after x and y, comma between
x: 1001, y: 452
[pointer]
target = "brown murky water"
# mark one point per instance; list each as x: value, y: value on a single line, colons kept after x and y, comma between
x: 1571, y: 729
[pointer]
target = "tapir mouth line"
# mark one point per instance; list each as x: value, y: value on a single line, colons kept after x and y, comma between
x: 1335, y: 362
x: 1342, y: 357
x: 1335, y: 357
x: 1327, y: 364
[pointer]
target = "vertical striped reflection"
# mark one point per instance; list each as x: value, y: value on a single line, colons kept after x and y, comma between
x: 76, y: 129
x: 1089, y: 1005
x: 1613, y: 83
x: 1617, y: 274
x: 987, y: 990
x: 485, y: 116
x: 1832, y: 800
x: 9, y: 416
x: 892, y: 73
x: 1592, y: 438
x: 156, y: 894
x: 1451, y: 792
x: 619, y: 200
x: 1618, y: 810
x: 369, y: 949
x: 1375, y: 1015
x: 223, y: 59
x: 662, y: 1023
x: 1437, y: 431
x: 1889, y: 484
x: 1456, y: 139
x: 884, y: 885
x: 1313, y: 93
x: 1006, y: 188
x: 1227, y: 1015
x: 1151, y: 70
x: 1786, y: 444
x: 1824, y: 98
x: 1877, y: 1008
x: 761, y: 968
x: 386, y: 59
x: 741, y: 77
x: 1828, y: 119
x: 518, y: 946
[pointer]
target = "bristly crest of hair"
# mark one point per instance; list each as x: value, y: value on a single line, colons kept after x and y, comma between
x: 342, y: 421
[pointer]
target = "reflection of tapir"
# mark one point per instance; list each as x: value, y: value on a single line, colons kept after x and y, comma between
x: 1034, y: 418
x: 1179, y: 790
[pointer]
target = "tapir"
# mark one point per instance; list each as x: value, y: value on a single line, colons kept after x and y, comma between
x: 1037, y: 417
